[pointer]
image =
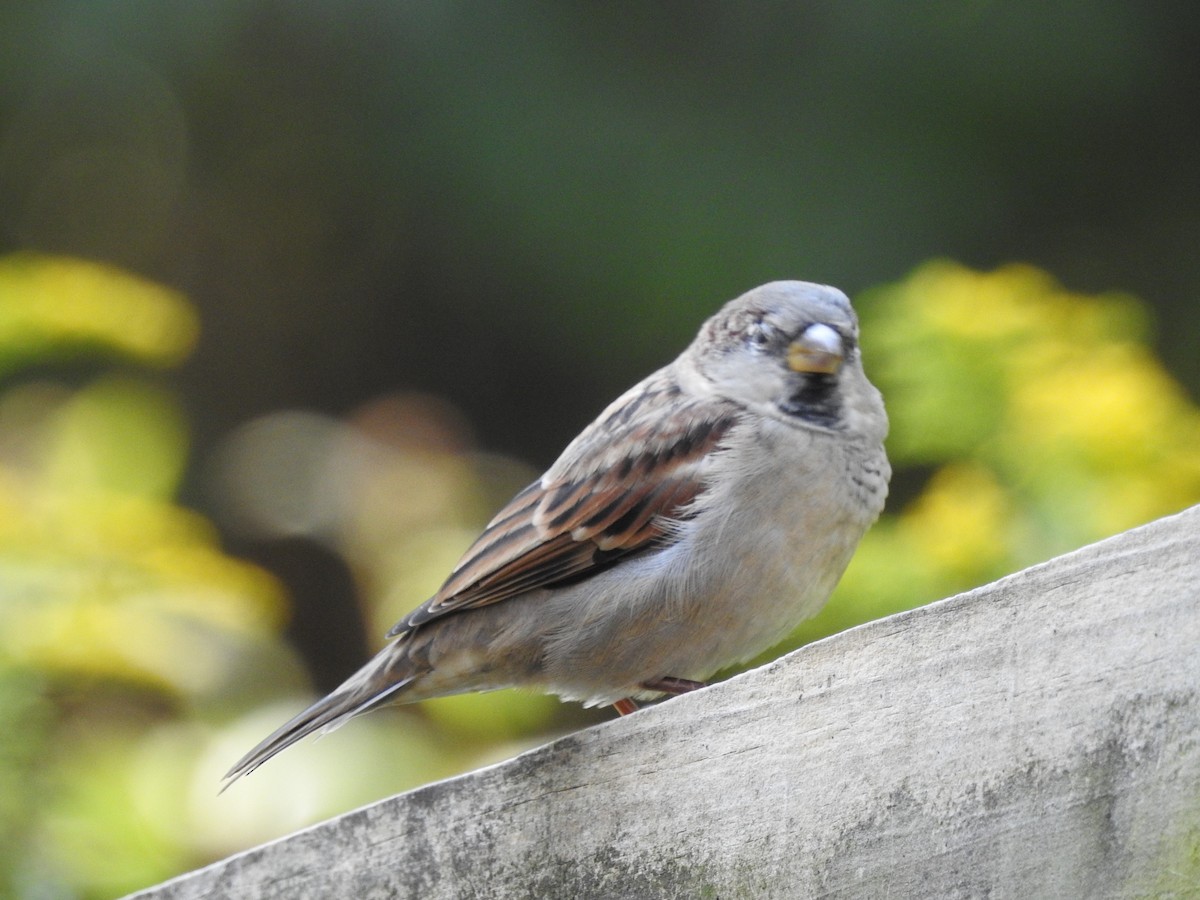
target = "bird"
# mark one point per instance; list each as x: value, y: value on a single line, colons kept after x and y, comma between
x: 704, y: 514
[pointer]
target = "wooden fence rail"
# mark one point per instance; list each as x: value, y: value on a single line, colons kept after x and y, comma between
x: 1037, y: 737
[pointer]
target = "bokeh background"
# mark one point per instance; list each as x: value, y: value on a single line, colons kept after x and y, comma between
x: 294, y: 295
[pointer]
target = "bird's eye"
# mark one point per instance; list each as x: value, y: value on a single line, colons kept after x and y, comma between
x: 760, y: 334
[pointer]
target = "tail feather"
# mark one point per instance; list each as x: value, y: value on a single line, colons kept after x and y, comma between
x: 357, y: 696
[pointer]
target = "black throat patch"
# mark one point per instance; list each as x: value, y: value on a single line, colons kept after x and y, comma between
x: 816, y: 399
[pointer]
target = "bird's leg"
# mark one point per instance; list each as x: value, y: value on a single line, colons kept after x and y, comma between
x: 670, y: 685
x: 625, y: 707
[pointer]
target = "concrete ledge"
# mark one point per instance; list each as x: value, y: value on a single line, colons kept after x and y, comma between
x: 1037, y: 737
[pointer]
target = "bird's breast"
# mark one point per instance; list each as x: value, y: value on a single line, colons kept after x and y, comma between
x: 761, y: 552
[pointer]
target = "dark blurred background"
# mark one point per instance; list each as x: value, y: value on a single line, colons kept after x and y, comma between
x: 520, y: 209
x: 525, y: 206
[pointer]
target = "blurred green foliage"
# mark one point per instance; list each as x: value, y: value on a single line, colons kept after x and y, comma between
x: 138, y: 660
x: 117, y: 607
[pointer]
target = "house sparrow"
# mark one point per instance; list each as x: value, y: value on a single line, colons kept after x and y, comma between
x: 695, y: 523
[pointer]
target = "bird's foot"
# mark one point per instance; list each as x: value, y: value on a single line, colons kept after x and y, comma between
x: 667, y: 684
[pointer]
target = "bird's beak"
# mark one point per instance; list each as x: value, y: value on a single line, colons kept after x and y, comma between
x: 819, y: 349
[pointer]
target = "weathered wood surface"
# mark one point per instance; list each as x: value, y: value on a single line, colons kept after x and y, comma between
x: 1037, y: 737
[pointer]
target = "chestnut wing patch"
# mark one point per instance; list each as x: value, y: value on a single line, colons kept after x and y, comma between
x: 574, y: 523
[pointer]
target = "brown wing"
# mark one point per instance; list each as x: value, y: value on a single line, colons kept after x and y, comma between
x: 597, y: 504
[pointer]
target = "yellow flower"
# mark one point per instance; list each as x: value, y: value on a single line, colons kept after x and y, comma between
x: 48, y: 302
x: 958, y: 522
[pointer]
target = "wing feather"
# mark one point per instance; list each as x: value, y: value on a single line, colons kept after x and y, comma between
x: 612, y: 493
